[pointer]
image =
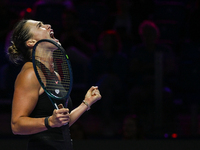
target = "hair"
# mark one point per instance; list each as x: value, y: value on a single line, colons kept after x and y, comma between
x: 150, y: 25
x: 114, y: 39
x: 18, y: 51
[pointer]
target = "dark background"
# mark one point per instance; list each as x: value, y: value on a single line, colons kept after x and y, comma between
x: 156, y: 121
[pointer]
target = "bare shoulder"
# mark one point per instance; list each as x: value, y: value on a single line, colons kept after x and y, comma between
x: 27, y: 76
x: 26, y: 92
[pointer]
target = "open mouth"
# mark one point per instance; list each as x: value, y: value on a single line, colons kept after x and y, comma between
x: 52, y: 36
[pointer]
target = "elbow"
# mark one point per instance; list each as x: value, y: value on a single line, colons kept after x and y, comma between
x: 14, y: 129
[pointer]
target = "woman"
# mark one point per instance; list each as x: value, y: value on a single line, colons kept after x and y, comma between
x: 32, y: 111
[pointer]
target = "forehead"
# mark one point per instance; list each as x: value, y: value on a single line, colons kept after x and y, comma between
x: 32, y: 23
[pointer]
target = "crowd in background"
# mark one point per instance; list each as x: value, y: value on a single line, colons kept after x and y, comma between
x: 136, y: 51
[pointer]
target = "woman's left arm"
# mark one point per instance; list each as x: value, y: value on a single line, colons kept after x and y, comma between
x: 91, y: 97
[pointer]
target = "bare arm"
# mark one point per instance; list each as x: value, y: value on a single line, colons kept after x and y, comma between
x: 91, y: 97
x: 27, y: 90
x: 25, y: 98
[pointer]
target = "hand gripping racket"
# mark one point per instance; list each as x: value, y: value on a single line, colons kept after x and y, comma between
x: 53, y: 69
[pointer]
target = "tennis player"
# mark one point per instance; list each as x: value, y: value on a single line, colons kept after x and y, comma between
x: 32, y: 112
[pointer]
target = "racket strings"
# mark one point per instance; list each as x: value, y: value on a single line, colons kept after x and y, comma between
x: 53, y: 68
x: 53, y: 84
x: 61, y: 66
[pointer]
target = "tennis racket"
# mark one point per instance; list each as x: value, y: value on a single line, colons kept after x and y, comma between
x: 53, y: 70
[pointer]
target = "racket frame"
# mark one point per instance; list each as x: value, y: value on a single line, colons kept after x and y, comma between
x: 50, y: 95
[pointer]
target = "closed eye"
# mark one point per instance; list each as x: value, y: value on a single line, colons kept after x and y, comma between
x: 39, y: 25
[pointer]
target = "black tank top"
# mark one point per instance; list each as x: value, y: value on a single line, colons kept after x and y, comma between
x: 52, y: 139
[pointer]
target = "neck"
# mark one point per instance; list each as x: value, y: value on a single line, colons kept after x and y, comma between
x: 48, y: 63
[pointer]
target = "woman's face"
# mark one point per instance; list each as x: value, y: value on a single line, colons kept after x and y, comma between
x: 40, y: 30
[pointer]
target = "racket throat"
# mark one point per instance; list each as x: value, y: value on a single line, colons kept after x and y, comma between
x: 56, y: 106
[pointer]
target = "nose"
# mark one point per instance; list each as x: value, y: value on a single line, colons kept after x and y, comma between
x: 48, y: 26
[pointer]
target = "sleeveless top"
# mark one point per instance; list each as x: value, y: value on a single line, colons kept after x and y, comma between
x: 55, y: 138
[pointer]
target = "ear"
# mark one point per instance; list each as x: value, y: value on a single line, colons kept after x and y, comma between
x: 30, y: 43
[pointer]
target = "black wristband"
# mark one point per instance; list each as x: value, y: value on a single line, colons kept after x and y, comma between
x: 46, y: 122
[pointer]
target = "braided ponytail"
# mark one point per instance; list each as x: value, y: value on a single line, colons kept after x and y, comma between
x: 13, y: 53
x: 18, y: 51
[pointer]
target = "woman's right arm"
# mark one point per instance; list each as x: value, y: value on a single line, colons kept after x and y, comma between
x: 27, y: 90
x: 24, y: 100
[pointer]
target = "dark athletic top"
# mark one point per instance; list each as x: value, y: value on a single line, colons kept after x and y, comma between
x: 52, y: 139
x: 55, y: 138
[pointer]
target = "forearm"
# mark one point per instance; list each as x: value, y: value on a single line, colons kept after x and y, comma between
x: 77, y: 112
x: 91, y: 97
x: 27, y: 125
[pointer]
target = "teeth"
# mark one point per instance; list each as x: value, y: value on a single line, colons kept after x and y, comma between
x: 51, y: 34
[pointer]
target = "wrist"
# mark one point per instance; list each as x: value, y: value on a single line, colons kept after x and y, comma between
x: 46, y: 123
x: 88, y: 106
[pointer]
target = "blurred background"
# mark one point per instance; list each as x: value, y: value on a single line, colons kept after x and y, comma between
x: 143, y: 54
